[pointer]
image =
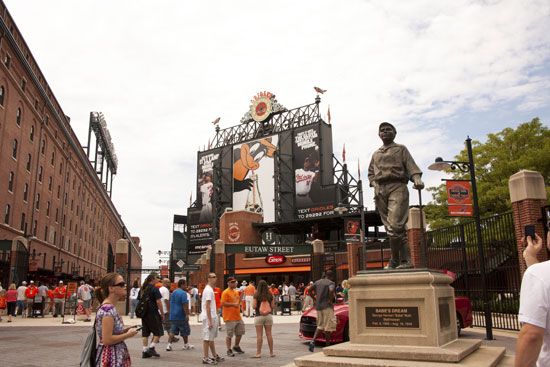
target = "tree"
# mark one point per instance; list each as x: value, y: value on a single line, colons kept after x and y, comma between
x: 502, y: 155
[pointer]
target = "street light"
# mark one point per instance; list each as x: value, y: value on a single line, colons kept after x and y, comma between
x: 465, y: 167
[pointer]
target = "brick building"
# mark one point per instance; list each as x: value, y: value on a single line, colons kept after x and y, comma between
x: 57, y: 220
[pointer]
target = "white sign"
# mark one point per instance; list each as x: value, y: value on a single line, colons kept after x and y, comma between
x: 180, y: 263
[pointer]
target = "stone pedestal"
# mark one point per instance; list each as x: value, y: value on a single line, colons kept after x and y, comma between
x: 404, y: 318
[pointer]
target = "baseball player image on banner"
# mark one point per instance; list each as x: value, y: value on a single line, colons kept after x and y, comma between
x: 253, y: 176
x: 312, y: 200
x: 205, y: 185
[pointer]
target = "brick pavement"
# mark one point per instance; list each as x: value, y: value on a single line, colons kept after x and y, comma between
x: 48, y: 343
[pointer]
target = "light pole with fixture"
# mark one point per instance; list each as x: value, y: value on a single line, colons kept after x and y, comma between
x: 468, y: 167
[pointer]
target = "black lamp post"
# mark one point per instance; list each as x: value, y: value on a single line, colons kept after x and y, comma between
x: 468, y: 167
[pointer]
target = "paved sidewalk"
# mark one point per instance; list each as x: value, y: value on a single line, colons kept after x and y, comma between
x: 48, y: 343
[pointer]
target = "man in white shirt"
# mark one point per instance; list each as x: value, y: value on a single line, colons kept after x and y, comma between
x: 84, y: 293
x: 165, y: 293
x: 533, y: 345
x: 209, y: 319
x: 21, y: 303
x: 305, y: 177
x: 206, y: 190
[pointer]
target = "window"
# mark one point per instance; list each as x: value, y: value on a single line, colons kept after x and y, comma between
x: 23, y: 84
x: 52, y: 161
x: 56, y: 215
x: 29, y: 159
x: 25, y: 192
x: 31, y: 136
x: 43, y: 147
x: 46, y: 120
x: 36, y: 104
x: 7, y: 61
x: 34, y: 225
x: 40, y: 171
x: 46, y: 233
x: 2, y: 94
x: 10, y: 182
x: 48, y: 205
x: 60, y: 167
x: 18, y: 116
x: 23, y: 224
x: 58, y: 190
x: 37, y: 205
x: 50, y: 181
x: 14, y: 149
x: 7, y: 214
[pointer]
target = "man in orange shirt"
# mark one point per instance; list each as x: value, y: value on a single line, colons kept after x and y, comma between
x: 59, y: 297
x: 231, y: 309
x: 248, y: 298
x: 30, y: 293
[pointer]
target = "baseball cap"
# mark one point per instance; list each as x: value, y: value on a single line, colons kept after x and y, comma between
x: 60, y: 282
x: 231, y: 279
x: 24, y: 282
x: 32, y: 281
x: 387, y: 124
x: 244, y: 282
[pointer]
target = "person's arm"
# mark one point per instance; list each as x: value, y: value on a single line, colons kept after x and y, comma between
x: 107, y: 336
x: 208, y: 313
x: 161, y: 309
x: 528, y: 345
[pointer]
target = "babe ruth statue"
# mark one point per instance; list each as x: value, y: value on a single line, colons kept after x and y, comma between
x: 390, y: 169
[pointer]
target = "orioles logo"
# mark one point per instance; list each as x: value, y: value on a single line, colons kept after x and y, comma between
x: 234, y: 232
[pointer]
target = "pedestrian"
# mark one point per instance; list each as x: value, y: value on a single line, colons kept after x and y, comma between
x: 30, y: 294
x: 218, y: 298
x: 209, y: 320
x: 134, y: 292
x: 249, y: 292
x: 43, y: 294
x: 276, y: 297
x: 165, y: 293
x: 21, y: 299
x: 323, y: 292
x: 59, y: 299
x: 292, y: 293
x: 308, y: 300
x: 179, y: 316
x: 533, y: 344
x: 194, y: 298
x: 11, y: 300
x: 3, y: 302
x: 51, y: 297
x: 231, y: 311
x: 263, y: 305
x: 152, y: 320
x: 112, y: 350
x: 84, y: 293
x: 345, y: 290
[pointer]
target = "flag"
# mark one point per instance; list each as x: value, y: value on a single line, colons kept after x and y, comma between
x: 191, y: 199
x: 344, y: 153
x: 359, y: 169
x: 209, y: 145
x: 328, y: 114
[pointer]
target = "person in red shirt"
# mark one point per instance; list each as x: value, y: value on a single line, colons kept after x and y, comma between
x: 30, y: 293
x: 11, y: 300
x: 50, y: 303
x: 59, y: 298
x: 218, y: 298
x: 275, y: 293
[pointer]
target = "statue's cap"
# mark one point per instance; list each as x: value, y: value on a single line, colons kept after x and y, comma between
x: 387, y: 124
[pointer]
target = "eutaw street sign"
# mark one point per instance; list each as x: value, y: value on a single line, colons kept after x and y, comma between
x: 268, y: 250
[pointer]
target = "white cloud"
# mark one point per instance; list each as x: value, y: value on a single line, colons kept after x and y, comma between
x: 161, y: 71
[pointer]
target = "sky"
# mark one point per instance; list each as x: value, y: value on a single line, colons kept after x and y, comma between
x: 162, y: 71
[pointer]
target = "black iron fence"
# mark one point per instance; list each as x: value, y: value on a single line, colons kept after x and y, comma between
x: 455, y: 249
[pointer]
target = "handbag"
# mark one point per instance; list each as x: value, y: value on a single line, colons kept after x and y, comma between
x: 141, y: 307
x: 89, y: 351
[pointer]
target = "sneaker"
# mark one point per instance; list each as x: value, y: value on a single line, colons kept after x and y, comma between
x: 168, y: 348
x: 238, y: 349
x: 311, y: 346
x: 146, y: 354
x: 188, y: 347
x: 209, y: 361
x: 230, y: 353
x: 219, y: 359
x: 153, y: 352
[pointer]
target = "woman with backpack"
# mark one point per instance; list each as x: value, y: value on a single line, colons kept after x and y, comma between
x: 263, y: 304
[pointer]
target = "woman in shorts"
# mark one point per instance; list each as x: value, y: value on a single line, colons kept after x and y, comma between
x: 263, y: 304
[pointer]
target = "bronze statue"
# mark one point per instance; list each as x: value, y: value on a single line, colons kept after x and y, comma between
x: 390, y: 169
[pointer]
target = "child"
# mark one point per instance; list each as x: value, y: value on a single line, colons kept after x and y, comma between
x: 3, y: 303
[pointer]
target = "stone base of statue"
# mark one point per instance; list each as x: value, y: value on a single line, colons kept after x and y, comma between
x: 404, y: 318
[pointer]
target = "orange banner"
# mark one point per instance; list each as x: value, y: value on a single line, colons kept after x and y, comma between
x: 459, y: 198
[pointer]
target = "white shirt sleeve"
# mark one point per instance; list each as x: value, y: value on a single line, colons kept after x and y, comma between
x: 533, y: 307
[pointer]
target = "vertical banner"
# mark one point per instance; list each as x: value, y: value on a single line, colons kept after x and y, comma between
x: 459, y: 198
x: 254, y: 176
x: 201, y: 217
x: 312, y: 199
x: 352, y: 229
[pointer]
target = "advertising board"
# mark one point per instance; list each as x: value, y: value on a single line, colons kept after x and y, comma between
x: 314, y: 198
x: 254, y: 175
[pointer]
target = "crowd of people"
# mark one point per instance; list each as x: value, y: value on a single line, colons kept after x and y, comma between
x: 39, y: 299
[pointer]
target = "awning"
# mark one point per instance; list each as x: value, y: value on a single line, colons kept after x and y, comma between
x: 282, y: 269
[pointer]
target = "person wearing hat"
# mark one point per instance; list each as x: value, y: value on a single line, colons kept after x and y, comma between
x: 231, y: 312
x: 30, y: 293
x: 390, y: 169
x: 59, y: 298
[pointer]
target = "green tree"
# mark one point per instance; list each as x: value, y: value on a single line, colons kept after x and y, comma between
x: 502, y: 155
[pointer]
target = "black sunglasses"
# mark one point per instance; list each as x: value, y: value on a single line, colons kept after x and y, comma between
x: 121, y: 285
